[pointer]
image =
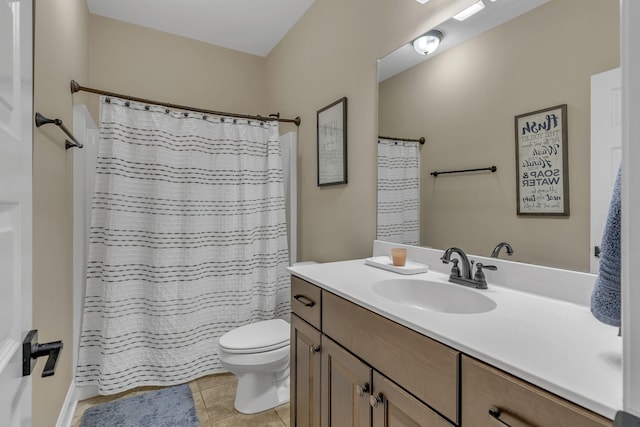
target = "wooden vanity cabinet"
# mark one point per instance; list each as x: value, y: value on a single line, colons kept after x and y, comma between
x: 493, y: 398
x: 353, y: 368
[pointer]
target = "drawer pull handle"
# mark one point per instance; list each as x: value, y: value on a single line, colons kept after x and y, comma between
x: 496, y: 412
x: 362, y: 389
x: 375, y: 401
x: 305, y: 301
x: 313, y: 349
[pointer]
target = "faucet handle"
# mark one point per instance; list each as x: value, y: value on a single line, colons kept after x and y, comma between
x: 479, y: 277
x: 455, y: 270
x: 486, y: 267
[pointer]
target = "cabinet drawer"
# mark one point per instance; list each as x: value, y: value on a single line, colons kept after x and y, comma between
x: 306, y: 300
x: 424, y: 367
x: 520, y: 404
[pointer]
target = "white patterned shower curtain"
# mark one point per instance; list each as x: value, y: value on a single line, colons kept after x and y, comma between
x: 188, y: 240
x: 398, y: 192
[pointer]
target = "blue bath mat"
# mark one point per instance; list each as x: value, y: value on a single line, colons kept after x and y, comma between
x: 170, y: 407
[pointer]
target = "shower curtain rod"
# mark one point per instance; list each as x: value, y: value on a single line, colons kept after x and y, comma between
x: 421, y: 140
x: 76, y: 87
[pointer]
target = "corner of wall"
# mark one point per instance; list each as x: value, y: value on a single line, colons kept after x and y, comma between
x: 57, y: 23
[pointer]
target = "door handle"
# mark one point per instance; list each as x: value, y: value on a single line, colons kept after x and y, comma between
x: 31, y: 350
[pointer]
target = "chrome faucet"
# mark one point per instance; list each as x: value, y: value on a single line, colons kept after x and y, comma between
x: 505, y: 245
x: 463, y: 277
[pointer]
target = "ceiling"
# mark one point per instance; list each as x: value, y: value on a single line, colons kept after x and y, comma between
x: 251, y: 26
x: 495, y: 13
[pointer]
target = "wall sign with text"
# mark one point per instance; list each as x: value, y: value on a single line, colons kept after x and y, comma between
x: 542, y: 164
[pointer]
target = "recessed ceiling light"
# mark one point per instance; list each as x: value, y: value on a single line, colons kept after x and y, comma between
x: 470, y: 11
x: 424, y: 1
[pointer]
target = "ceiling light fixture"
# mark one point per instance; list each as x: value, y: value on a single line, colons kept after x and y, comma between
x: 422, y: 1
x: 428, y: 42
x: 470, y: 11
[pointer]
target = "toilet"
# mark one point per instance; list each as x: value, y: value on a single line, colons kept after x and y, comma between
x: 258, y: 355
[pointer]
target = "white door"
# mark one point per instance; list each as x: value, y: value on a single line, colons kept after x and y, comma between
x: 606, y: 150
x: 16, y: 87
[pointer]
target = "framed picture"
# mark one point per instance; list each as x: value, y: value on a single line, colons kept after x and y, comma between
x: 332, y: 144
x: 542, y: 163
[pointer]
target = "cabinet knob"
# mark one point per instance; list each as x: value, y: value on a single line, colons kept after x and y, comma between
x: 313, y: 349
x: 374, y: 401
x: 362, y: 389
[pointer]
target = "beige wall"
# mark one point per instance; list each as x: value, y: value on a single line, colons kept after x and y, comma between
x: 61, y: 53
x: 464, y: 100
x: 145, y: 63
x: 332, y: 53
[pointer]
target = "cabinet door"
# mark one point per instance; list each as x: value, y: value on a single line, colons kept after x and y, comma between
x: 345, y: 388
x: 394, y: 407
x: 305, y: 374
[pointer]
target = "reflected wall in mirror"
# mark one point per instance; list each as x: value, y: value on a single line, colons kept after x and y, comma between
x: 464, y: 100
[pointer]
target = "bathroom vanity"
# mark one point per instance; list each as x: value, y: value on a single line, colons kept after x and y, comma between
x: 359, y: 358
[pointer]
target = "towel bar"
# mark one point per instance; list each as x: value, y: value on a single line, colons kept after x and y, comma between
x: 42, y: 120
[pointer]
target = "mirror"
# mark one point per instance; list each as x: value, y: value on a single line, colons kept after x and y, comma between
x: 463, y: 100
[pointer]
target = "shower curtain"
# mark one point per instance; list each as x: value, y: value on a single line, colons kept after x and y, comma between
x: 398, y: 192
x: 188, y: 240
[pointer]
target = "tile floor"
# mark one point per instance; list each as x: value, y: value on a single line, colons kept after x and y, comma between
x: 213, y: 396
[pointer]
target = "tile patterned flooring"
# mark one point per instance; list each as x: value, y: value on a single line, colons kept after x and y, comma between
x: 213, y: 396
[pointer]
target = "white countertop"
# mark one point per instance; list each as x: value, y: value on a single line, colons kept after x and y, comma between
x: 554, y: 344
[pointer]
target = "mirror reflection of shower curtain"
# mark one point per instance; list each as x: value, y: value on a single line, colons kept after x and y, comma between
x: 188, y: 240
x: 398, y: 192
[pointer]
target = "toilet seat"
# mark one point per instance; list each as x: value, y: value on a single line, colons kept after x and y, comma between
x: 256, y: 337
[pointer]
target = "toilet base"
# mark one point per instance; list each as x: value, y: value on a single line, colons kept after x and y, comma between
x: 258, y: 392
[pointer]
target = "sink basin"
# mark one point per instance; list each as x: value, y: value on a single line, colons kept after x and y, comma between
x: 434, y: 296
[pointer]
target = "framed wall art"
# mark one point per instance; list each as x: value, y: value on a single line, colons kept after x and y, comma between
x: 332, y: 143
x: 542, y: 163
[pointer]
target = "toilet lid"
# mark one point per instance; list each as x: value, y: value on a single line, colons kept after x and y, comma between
x: 256, y: 337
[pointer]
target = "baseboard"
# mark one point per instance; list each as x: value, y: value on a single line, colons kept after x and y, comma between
x: 74, y: 395
x: 86, y: 392
x: 68, y: 407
